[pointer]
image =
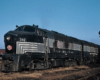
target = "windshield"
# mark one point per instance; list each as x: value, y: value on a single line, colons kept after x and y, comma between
x: 25, y: 28
x: 19, y: 29
x: 29, y: 29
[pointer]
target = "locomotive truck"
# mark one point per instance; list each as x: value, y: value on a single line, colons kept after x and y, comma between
x: 35, y: 48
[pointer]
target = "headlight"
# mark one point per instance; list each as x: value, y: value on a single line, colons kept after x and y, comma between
x: 22, y: 39
x: 8, y: 38
x: 9, y: 47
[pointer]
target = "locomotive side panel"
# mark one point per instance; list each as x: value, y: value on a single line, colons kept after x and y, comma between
x: 90, y: 52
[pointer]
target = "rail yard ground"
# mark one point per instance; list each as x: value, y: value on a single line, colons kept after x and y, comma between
x: 90, y: 72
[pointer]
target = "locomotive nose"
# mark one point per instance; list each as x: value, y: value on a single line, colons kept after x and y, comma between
x: 10, y: 36
x: 10, y: 41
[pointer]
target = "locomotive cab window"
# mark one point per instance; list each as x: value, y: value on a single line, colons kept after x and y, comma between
x: 25, y: 28
x: 19, y: 29
x: 29, y: 29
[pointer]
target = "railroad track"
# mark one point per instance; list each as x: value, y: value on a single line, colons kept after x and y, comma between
x: 66, y: 73
x: 95, y: 76
x: 74, y: 75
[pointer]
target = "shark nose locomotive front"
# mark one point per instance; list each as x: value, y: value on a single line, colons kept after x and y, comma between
x: 10, y: 39
x: 11, y: 61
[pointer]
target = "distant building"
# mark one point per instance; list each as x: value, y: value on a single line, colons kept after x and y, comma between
x: 2, y: 51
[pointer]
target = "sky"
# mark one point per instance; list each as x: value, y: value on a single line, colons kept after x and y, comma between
x: 76, y: 18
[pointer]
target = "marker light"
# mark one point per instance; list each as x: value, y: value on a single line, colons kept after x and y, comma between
x: 9, y: 47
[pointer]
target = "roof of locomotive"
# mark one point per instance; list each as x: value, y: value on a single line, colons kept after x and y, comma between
x: 89, y: 43
x: 68, y: 38
x: 63, y: 36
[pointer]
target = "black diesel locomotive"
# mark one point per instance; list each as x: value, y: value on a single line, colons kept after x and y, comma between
x: 35, y: 48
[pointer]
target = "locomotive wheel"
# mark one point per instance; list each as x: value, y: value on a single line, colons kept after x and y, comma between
x: 19, y: 70
x: 70, y: 63
x: 66, y: 63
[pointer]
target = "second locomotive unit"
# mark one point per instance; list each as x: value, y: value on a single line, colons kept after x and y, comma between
x: 35, y: 48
